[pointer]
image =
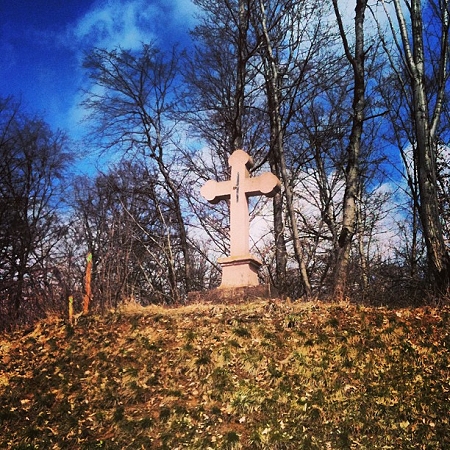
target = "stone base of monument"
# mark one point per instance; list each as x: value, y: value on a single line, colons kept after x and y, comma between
x: 240, y: 283
x: 239, y: 271
x: 233, y: 295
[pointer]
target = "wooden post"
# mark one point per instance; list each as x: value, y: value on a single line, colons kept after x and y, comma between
x: 71, y: 309
x: 88, y: 291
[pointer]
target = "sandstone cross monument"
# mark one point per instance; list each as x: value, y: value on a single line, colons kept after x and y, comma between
x: 240, y: 269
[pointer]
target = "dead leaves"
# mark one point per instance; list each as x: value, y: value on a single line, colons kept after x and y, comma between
x: 254, y: 375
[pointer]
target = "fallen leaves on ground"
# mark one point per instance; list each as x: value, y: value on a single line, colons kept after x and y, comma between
x: 260, y: 375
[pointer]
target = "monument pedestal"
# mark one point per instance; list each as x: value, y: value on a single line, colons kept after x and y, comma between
x: 233, y: 295
x: 239, y: 271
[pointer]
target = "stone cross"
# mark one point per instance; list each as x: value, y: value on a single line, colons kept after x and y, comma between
x: 240, y: 268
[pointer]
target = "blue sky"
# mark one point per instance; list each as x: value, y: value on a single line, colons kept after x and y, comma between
x: 42, y: 43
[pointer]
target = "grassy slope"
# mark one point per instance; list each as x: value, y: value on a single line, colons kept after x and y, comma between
x: 260, y: 375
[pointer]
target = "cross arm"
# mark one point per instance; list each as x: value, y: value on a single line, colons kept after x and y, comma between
x: 266, y: 184
x: 215, y: 191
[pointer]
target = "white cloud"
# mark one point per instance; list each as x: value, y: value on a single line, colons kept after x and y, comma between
x: 184, y: 11
x: 128, y: 23
x: 114, y: 23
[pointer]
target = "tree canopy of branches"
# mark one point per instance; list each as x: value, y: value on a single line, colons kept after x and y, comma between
x: 126, y: 219
x: 33, y: 161
x: 348, y: 104
x: 419, y: 58
x: 132, y: 111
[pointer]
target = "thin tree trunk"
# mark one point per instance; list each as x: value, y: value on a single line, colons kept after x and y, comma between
x: 181, y: 228
x: 237, y: 138
x: 361, y: 225
x: 280, y: 242
x: 157, y: 154
x: 353, y: 148
x: 87, y: 284
x: 278, y: 146
x: 425, y: 148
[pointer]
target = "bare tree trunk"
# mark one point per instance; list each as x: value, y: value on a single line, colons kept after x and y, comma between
x: 175, y: 196
x: 425, y: 134
x: 280, y: 242
x: 277, y: 144
x: 87, y: 284
x: 361, y: 226
x: 438, y: 258
x: 326, y: 198
x: 241, y: 72
x: 353, y: 148
x: 414, y: 245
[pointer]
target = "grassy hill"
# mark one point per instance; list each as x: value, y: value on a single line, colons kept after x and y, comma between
x: 261, y: 375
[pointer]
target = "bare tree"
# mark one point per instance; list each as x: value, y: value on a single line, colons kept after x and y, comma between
x: 355, y: 55
x: 223, y: 102
x: 125, y: 219
x: 33, y: 161
x: 221, y: 84
x: 132, y: 110
x: 267, y: 25
x: 399, y: 130
x: 419, y: 57
x: 323, y: 124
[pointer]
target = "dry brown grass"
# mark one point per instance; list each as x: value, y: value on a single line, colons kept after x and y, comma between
x: 256, y: 375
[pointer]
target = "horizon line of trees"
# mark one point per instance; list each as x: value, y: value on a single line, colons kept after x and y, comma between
x: 351, y: 115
